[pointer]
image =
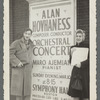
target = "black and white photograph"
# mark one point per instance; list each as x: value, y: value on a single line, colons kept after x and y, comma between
x: 49, y: 50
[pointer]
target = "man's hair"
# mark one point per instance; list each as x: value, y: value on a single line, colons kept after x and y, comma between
x: 28, y: 29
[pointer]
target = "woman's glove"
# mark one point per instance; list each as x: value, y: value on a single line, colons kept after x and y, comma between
x: 78, y: 65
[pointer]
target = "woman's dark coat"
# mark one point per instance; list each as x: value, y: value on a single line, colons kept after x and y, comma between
x: 84, y: 73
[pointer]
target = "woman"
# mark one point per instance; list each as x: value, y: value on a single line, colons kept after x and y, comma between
x: 81, y: 71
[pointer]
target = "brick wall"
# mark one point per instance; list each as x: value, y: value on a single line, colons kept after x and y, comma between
x: 83, y: 16
x: 19, y: 18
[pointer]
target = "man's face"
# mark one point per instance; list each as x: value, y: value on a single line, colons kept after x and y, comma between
x: 79, y: 37
x: 27, y: 35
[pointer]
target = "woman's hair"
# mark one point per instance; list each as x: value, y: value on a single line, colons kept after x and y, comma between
x: 82, y: 32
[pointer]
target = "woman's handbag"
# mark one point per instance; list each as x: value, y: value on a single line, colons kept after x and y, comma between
x: 77, y: 82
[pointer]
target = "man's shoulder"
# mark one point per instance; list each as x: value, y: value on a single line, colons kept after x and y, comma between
x: 16, y: 42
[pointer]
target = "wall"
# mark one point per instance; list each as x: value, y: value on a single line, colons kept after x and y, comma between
x: 19, y: 18
x: 83, y: 16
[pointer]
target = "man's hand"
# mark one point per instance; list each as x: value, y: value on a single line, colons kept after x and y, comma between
x: 20, y: 64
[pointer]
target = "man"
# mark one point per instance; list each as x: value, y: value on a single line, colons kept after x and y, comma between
x: 21, y: 66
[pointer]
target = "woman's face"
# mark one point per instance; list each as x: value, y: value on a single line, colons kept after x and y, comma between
x: 79, y: 37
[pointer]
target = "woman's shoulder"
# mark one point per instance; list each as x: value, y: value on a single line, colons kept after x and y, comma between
x: 82, y: 45
x: 85, y: 45
x: 74, y: 46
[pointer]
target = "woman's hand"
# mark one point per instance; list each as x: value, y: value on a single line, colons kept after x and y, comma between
x: 78, y: 65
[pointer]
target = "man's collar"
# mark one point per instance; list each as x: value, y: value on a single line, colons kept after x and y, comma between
x: 23, y: 40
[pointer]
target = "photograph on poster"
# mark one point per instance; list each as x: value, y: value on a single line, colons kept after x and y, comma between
x: 49, y: 52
